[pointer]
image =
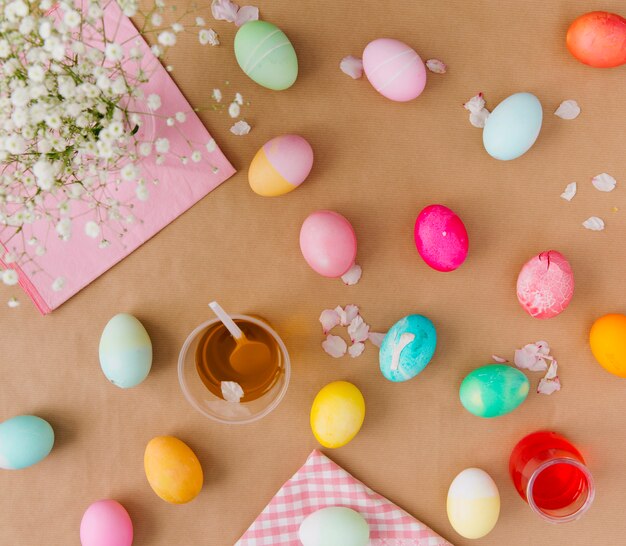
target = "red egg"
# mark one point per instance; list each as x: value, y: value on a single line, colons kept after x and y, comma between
x: 598, y: 39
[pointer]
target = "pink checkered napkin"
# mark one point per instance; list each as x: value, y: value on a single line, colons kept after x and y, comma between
x: 321, y: 483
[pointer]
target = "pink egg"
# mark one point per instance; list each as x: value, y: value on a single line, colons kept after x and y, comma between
x: 328, y: 243
x: 441, y: 238
x: 106, y: 523
x: 394, y: 69
x: 545, y: 285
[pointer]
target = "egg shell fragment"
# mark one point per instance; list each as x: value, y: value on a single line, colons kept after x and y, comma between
x: 598, y: 39
x: 545, y: 285
x: 337, y: 414
x: 441, y: 238
x: 106, y: 523
x: 334, y: 526
x: 280, y: 166
x: 25, y: 440
x: 513, y: 126
x: 473, y: 503
x: 607, y: 339
x: 172, y: 469
x: 328, y: 243
x: 394, y: 69
x: 407, y: 348
x: 493, y: 390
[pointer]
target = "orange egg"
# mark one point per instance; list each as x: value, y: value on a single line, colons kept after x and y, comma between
x: 608, y: 343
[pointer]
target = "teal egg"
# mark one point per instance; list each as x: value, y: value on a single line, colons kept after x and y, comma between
x: 24, y: 441
x: 125, y: 351
x: 266, y: 55
x: 513, y: 126
x: 493, y: 390
x: 407, y: 348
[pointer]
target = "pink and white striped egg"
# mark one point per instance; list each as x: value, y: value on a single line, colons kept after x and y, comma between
x: 545, y: 285
x: 394, y: 69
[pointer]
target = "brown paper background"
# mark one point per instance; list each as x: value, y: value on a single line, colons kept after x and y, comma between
x: 378, y: 163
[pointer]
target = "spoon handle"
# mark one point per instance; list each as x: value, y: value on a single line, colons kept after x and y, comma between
x: 234, y: 330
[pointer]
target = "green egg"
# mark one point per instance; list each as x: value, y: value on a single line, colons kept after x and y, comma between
x: 493, y: 390
x: 266, y: 55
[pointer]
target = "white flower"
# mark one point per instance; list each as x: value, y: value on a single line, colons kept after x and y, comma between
x: 58, y: 284
x: 208, y: 36
x: 27, y: 25
x: 5, y: 49
x: 239, y: 99
x: 180, y: 117
x: 167, y: 38
x: 129, y: 7
x: 15, y: 144
x: 217, y: 95
x: 200, y: 22
x: 145, y: 149
x: 170, y: 122
x: 211, y: 146
x: 119, y: 86
x: 13, y: 303
x: 113, y: 52
x: 71, y: 19
x: 135, y: 53
x: 177, y: 28
x: 154, y: 102
x: 234, y: 110
x: 36, y: 73
x: 44, y: 173
x: 64, y: 228
x: 157, y: 51
x: 129, y: 171
x: 9, y: 277
x: 92, y: 229
x: 142, y: 192
x: 156, y: 19
x: 103, y: 82
x: 95, y: 11
x: 162, y: 145
x: 196, y: 156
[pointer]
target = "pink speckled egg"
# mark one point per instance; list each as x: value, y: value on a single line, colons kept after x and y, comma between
x: 394, y: 69
x: 328, y: 243
x: 441, y: 238
x: 106, y: 523
x: 545, y: 285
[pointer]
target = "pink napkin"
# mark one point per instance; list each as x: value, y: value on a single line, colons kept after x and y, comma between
x: 321, y: 483
x: 80, y: 260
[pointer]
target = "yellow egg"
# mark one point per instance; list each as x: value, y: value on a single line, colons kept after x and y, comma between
x: 473, y: 503
x: 172, y: 469
x: 608, y: 343
x: 337, y: 414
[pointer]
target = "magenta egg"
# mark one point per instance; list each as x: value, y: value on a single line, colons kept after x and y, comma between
x: 545, y: 285
x: 106, y: 523
x: 328, y: 243
x: 441, y: 238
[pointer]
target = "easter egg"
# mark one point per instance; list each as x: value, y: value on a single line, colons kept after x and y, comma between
x: 407, y: 348
x: 493, y: 390
x: 106, y: 523
x: 172, y: 469
x: 394, y: 69
x: 125, y: 351
x: 598, y: 39
x: 513, y: 126
x: 545, y: 285
x: 328, y: 243
x: 473, y: 503
x: 334, y: 526
x: 607, y: 339
x: 280, y: 166
x: 266, y: 55
x: 337, y: 414
x: 441, y: 238
x: 24, y: 441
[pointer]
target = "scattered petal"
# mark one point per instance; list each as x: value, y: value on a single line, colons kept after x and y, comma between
x: 353, y: 275
x: 568, y: 109
x: 335, y: 346
x: 352, y: 66
x: 542, y: 347
x: 224, y: 10
x: 530, y: 358
x: 240, y: 128
x: 217, y: 95
x: 329, y: 319
x: 376, y: 338
x: 478, y: 119
x: 604, y: 182
x: 551, y: 373
x: 208, y: 36
x: 498, y: 359
x: 594, y: 223
x: 405, y: 339
x: 13, y: 303
x: 348, y: 314
x: 234, y: 110
x: 475, y: 104
x: 246, y: 14
x: 548, y: 386
x: 436, y: 66
x: 356, y: 349
x: 232, y: 391
x: 570, y: 191
x: 358, y: 330
x: 239, y: 99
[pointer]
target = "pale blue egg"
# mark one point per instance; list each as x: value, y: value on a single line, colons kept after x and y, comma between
x: 24, y: 441
x: 125, y: 351
x: 407, y: 348
x: 513, y: 126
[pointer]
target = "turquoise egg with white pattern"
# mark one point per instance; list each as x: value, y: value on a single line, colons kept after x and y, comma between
x: 407, y: 348
x: 24, y: 441
x: 125, y: 351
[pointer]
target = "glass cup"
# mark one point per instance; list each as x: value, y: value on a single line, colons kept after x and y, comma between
x: 550, y: 474
x: 216, y: 408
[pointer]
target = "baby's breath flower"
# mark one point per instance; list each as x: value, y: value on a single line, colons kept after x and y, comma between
x: 211, y: 146
x: 208, y: 36
x: 180, y: 117
x: 9, y: 277
x: 167, y: 38
x: 162, y: 145
x: 92, y: 229
x: 58, y: 284
x: 113, y: 52
x: 196, y: 156
x: 154, y: 102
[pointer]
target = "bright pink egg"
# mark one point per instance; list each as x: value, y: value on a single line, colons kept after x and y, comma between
x: 441, y: 238
x: 545, y: 285
x: 394, y: 69
x: 328, y: 243
x: 106, y: 523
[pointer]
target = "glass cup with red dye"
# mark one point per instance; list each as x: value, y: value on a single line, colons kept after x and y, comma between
x: 550, y: 474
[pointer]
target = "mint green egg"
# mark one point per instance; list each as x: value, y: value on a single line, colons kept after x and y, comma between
x: 24, y: 441
x: 266, y: 55
x: 125, y: 351
x: 493, y: 390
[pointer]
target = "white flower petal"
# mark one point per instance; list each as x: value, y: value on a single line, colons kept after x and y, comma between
x: 224, y: 10
x: 498, y: 359
x: 217, y: 95
x: 436, y: 66
x: 568, y: 109
x: 240, y: 128
x: 478, y: 119
x: 211, y: 146
x: 551, y: 373
x: 246, y: 14
x: 594, y: 223
x: 352, y: 66
x: 329, y: 319
x: 543, y: 347
x: 548, y: 386
x: 604, y: 182
x: 570, y: 191
x: 234, y: 110
x: 348, y: 314
x: 376, y: 338
x: 353, y: 275
x: 475, y: 104
x: 356, y: 349
x: 231, y: 391
x: 335, y: 346
x: 358, y: 330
